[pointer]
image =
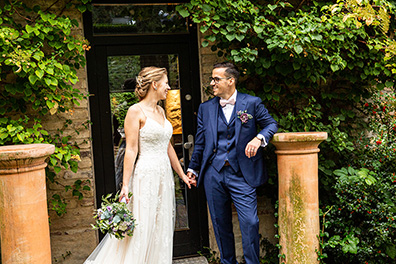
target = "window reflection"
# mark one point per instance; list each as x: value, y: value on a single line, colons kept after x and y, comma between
x: 122, y: 71
x: 137, y: 19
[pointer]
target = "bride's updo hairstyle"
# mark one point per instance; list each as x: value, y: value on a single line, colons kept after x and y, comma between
x: 146, y: 76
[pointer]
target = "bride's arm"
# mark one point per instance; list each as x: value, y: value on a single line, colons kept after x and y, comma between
x: 131, y: 127
x: 177, y: 167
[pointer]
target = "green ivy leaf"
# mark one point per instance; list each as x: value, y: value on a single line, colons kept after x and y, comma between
x: 230, y: 37
x: 211, y: 38
x: 39, y: 73
x: 183, y: 12
x: 33, y: 79
x: 298, y: 49
x: 237, y: 58
x: 258, y: 29
x: 49, y: 70
x: 47, y: 82
x: 82, y: 8
x: 70, y: 46
x: 57, y: 169
x: 389, y: 84
x: 29, y: 29
x: 206, y: 8
x: 78, y: 194
x: 205, y: 43
x: 334, y: 67
x: 272, y: 7
x: 49, y: 104
x: 240, y: 37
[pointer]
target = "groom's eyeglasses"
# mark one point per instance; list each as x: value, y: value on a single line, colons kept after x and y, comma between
x: 217, y: 79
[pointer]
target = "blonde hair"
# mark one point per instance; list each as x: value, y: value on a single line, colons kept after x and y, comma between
x: 146, y: 76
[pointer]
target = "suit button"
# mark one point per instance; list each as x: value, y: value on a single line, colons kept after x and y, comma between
x: 228, y: 151
x: 214, y: 150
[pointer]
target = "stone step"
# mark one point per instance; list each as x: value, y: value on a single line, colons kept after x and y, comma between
x: 194, y: 260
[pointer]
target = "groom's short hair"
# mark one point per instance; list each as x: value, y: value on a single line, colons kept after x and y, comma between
x: 231, y: 69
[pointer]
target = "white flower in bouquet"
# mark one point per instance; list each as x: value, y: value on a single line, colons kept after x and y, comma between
x: 114, y: 217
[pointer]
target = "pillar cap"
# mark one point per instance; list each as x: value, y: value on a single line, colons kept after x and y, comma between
x: 298, y: 140
x: 24, y: 155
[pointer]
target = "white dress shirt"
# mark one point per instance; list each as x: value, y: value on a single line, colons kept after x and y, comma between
x: 229, y: 108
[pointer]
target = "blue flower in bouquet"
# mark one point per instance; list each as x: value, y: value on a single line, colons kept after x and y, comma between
x: 114, y: 217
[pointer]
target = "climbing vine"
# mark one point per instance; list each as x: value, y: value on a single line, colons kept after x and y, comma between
x: 39, y: 60
x: 318, y: 65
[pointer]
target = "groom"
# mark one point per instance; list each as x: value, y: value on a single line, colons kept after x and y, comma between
x: 228, y: 160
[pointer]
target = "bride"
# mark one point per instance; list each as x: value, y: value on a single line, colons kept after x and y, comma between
x: 149, y: 159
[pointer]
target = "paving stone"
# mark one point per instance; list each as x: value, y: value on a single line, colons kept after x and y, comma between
x: 195, y: 260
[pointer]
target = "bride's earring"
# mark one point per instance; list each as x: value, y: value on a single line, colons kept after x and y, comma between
x: 155, y: 88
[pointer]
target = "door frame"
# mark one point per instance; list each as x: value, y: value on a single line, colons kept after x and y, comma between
x: 101, y: 117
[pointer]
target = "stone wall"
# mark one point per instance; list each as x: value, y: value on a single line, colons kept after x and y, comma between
x: 72, y: 237
x: 264, y: 208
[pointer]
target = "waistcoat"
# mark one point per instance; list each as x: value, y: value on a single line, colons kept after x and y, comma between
x: 226, y: 145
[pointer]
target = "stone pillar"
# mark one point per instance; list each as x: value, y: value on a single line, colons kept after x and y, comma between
x: 24, y: 225
x: 297, y: 155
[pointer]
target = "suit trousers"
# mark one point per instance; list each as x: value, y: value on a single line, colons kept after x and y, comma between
x: 222, y: 188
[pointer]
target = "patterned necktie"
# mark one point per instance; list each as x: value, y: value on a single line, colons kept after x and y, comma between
x: 224, y: 102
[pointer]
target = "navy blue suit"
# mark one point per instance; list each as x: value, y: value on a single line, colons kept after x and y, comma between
x: 220, y: 143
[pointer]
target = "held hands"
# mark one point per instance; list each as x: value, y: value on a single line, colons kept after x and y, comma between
x: 192, y: 178
x: 124, y: 193
x: 252, y: 147
x: 189, y: 181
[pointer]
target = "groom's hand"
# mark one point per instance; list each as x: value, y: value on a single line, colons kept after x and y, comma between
x: 192, y: 178
x: 252, y: 147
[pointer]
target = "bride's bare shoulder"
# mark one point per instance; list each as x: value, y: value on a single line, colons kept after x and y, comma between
x: 135, y: 109
x: 135, y: 112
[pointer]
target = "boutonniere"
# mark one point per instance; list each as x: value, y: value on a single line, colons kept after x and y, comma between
x: 244, y: 116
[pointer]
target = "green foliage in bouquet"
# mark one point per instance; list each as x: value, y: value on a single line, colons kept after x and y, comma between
x: 114, y: 217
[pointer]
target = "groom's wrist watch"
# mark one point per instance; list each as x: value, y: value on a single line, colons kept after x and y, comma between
x: 262, y: 139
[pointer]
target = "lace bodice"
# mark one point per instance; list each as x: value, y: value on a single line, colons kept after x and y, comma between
x: 154, y: 138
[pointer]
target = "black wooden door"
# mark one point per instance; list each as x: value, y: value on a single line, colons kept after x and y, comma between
x: 116, y: 57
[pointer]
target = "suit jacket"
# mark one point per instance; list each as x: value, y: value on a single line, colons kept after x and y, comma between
x: 253, y: 169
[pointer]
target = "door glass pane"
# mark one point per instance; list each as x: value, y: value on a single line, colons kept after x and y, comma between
x: 137, y: 19
x: 122, y: 71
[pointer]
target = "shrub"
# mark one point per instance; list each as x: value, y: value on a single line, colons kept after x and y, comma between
x: 361, y: 226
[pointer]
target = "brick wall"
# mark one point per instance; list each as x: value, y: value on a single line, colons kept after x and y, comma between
x: 72, y: 232
x: 265, y: 210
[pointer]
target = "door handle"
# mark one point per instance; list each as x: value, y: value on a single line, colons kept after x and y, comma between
x: 189, y: 145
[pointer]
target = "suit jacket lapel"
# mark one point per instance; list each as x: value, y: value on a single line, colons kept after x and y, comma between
x: 240, y: 105
x: 213, y: 120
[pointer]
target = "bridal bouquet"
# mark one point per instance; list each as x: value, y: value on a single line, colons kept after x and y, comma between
x: 114, y: 217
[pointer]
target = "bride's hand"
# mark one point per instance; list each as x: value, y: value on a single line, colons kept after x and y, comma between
x: 124, y: 193
x: 186, y: 180
x: 192, y: 178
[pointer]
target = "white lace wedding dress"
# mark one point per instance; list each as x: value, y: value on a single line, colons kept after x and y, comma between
x: 152, y: 204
